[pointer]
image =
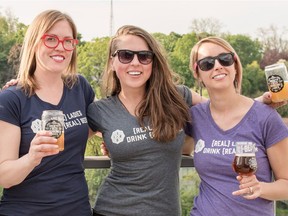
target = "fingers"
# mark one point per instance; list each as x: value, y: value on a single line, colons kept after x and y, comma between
x: 104, y: 150
x: 249, y: 187
x: 42, y: 145
x: 10, y: 83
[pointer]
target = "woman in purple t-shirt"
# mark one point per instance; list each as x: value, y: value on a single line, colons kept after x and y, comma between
x: 229, y: 117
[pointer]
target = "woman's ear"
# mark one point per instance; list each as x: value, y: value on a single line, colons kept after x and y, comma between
x: 195, y: 74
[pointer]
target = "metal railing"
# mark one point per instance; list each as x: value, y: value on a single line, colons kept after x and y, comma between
x: 103, y: 162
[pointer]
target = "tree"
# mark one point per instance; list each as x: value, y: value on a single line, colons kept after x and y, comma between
x: 247, y: 49
x: 92, y: 59
x: 10, y: 33
x: 274, y: 44
x: 167, y: 41
x: 181, y: 55
x: 254, y: 82
x: 211, y: 26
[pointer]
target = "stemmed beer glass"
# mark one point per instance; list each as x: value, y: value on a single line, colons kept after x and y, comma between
x: 244, y: 162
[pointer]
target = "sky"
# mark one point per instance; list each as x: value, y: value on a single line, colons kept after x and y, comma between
x: 93, y: 17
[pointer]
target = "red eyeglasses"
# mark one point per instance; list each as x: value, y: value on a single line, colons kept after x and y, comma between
x: 52, y: 41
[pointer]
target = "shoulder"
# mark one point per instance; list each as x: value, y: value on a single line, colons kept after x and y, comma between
x: 265, y: 115
x: 264, y: 108
x: 83, y: 81
x: 104, y: 102
x: 12, y: 94
x: 201, y: 106
x: 186, y: 93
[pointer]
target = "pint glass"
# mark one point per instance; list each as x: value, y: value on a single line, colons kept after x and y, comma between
x: 277, y: 81
x: 53, y: 120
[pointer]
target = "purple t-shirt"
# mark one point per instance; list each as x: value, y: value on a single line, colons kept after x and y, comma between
x: 214, y: 153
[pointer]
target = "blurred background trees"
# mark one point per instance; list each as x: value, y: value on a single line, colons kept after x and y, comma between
x: 268, y: 48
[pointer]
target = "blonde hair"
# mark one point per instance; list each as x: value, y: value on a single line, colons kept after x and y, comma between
x: 221, y: 42
x: 162, y: 104
x: 40, y: 25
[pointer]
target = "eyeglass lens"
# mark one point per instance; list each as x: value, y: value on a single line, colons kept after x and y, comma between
x: 127, y: 56
x: 53, y: 41
x: 225, y: 59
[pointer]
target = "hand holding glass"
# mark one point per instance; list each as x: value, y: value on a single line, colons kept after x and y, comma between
x: 277, y: 81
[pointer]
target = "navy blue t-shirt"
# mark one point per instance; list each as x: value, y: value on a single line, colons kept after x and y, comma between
x: 57, y: 186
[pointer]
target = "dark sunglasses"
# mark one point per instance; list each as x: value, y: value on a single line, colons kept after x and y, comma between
x: 126, y: 56
x: 207, y: 63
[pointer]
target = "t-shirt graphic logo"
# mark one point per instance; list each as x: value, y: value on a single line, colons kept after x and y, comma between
x: 117, y: 136
x: 36, y: 125
x: 199, y: 145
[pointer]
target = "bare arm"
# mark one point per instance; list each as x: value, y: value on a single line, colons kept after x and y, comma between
x: 188, y: 146
x: 13, y: 170
x: 197, y: 98
x: 266, y: 99
x: 277, y: 190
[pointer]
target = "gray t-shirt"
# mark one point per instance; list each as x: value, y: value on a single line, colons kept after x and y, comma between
x: 144, y: 176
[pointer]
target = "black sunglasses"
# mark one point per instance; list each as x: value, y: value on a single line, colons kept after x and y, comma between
x: 126, y: 56
x: 207, y: 63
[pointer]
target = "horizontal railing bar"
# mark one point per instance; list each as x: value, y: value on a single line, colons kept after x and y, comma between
x: 103, y: 162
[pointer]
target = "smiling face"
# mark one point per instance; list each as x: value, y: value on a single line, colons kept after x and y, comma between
x: 134, y: 74
x: 219, y: 76
x: 55, y: 60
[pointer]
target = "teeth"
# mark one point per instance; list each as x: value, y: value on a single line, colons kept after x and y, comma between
x: 58, y: 58
x: 134, y: 73
x: 219, y: 76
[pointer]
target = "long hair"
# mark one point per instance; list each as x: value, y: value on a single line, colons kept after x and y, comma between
x: 40, y: 25
x: 221, y: 42
x: 163, y: 105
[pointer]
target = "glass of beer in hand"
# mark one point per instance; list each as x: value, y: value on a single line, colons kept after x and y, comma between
x: 277, y: 81
x: 53, y: 120
x: 244, y: 162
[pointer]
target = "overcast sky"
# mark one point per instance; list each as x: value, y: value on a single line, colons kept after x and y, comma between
x: 92, y: 17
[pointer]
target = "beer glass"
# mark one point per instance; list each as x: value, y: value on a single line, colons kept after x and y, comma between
x: 244, y: 162
x: 277, y: 81
x: 53, y: 120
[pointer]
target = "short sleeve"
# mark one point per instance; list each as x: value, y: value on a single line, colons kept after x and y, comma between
x: 186, y: 93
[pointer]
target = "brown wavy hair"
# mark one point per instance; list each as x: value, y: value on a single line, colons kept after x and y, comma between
x: 162, y: 104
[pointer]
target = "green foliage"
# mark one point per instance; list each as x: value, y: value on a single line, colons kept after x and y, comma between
x: 181, y: 55
x: 94, y: 177
x: 247, y: 49
x: 189, y: 188
x: 92, y: 57
x: 168, y: 42
x: 11, y: 32
x: 93, y: 146
x: 254, y: 81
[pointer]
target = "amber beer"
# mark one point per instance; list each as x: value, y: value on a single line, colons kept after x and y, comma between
x: 245, y: 164
x: 53, y: 120
x: 277, y: 81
